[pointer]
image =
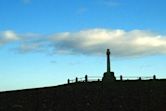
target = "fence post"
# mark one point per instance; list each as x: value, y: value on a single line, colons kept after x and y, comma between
x: 86, y: 78
x: 76, y: 79
x: 68, y: 81
x: 154, y: 77
x: 121, y: 77
x: 139, y: 78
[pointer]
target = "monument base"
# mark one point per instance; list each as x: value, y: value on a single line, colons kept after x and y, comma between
x: 108, y: 77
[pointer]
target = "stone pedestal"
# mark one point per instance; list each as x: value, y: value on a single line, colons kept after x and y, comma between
x: 108, y: 77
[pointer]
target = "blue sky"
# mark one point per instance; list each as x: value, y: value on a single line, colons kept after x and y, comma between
x: 45, y: 42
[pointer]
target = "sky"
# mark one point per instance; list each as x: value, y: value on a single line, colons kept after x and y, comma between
x: 45, y: 42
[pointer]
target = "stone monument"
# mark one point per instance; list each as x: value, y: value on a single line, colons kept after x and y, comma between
x: 108, y: 76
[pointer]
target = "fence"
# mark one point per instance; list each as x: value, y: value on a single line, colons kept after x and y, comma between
x: 99, y: 78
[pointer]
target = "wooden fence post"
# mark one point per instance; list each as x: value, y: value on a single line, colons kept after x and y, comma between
x: 121, y: 78
x: 154, y: 77
x: 86, y: 78
x: 76, y: 79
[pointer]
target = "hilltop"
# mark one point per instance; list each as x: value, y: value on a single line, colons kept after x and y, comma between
x: 89, y: 96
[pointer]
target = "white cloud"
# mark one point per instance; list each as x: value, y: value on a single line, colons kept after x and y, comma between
x: 93, y: 41
x: 122, y: 43
x: 8, y: 36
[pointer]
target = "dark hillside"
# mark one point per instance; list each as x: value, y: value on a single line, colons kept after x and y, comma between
x: 89, y: 96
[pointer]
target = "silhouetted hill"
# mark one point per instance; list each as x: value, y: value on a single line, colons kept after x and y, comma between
x: 136, y: 95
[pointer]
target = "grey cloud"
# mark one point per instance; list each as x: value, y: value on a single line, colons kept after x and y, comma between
x: 34, y: 43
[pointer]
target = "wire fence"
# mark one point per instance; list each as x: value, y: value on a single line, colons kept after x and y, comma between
x: 99, y: 78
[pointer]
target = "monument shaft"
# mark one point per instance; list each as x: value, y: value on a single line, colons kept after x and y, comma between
x: 108, y: 60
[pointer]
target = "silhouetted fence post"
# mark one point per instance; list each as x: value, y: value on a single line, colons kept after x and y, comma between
x: 68, y: 81
x: 154, y: 77
x: 121, y: 77
x: 86, y: 78
x: 139, y: 78
x: 76, y: 79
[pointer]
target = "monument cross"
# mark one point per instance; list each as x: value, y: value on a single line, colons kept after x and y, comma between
x: 108, y: 60
x: 109, y: 75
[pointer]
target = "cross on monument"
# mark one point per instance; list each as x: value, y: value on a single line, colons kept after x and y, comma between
x: 108, y: 60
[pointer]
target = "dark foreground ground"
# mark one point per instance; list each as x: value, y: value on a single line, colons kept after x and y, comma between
x: 91, y: 96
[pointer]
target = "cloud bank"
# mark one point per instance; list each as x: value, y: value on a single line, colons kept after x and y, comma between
x: 122, y: 43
